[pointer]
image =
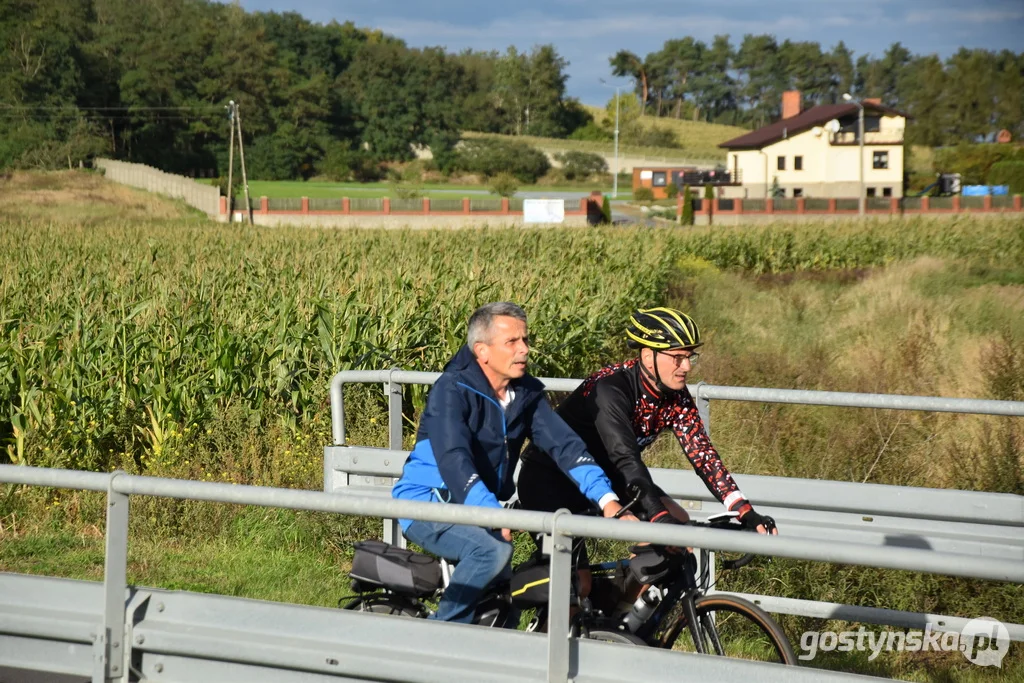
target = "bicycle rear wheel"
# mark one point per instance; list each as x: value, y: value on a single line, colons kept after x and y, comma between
x: 732, y: 627
x: 385, y: 605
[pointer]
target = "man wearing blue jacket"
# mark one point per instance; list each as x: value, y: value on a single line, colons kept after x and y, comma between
x: 478, y: 414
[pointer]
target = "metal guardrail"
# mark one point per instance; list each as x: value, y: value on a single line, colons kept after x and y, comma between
x: 959, y: 523
x: 111, y: 631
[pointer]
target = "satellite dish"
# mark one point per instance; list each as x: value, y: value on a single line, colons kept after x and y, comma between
x: 817, y: 130
x: 833, y: 126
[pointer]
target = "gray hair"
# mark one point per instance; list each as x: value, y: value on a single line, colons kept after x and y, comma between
x: 482, y: 318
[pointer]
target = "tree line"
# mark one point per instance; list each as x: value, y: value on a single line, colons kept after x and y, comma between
x: 148, y: 81
x: 970, y: 95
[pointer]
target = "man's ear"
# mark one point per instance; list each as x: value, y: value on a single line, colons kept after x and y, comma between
x: 646, y: 356
x: 482, y: 353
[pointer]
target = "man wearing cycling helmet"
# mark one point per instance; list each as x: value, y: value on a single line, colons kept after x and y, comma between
x: 620, y: 410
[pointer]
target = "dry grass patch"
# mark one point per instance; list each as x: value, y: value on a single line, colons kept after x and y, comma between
x: 81, y: 197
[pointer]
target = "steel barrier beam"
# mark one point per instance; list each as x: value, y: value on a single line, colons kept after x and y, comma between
x: 184, y: 637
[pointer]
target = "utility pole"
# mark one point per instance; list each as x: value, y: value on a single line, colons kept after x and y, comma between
x: 231, y: 154
x: 241, y: 154
x: 860, y: 149
x: 615, y: 177
x: 615, y: 180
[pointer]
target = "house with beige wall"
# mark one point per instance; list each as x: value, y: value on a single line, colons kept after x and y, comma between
x: 814, y: 153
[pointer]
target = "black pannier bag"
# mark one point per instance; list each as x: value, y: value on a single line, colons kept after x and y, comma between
x: 400, y: 570
x: 531, y: 583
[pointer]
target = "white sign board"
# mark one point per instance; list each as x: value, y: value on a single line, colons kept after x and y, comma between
x: 646, y: 175
x: 543, y: 211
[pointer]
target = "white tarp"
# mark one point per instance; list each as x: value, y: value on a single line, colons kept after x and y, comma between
x: 543, y: 211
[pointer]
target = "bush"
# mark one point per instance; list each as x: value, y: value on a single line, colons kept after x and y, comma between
x: 491, y: 157
x: 339, y: 163
x: 237, y: 190
x: 643, y: 194
x: 672, y: 191
x: 504, y: 184
x: 606, y: 210
x: 591, y: 133
x: 973, y: 162
x: 687, y: 217
x: 581, y: 164
x: 1008, y: 173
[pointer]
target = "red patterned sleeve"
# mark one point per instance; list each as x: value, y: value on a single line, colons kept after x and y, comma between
x: 689, y: 430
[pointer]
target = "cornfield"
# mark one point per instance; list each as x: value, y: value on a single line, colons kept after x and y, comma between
x: 112, y: 338
x: 115, y: 339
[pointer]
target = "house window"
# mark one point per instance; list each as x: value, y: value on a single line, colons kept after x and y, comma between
x: 659, y: 179
x: 871, y: 192
x: 880, y: 160
x: 798, y: 191
x: 781, y: 163
x: 886, y: 191
x: 798, y: 163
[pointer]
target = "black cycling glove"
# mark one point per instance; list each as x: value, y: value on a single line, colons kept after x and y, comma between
x: 751, y: 520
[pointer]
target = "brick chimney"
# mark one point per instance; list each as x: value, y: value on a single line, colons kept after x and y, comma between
x: 790, y: 103
x: 873, y: 100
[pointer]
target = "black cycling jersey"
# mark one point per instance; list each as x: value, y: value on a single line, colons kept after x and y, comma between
x: 618, y: 413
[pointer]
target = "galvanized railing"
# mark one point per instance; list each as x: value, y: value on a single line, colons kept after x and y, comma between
x: 942, y: 521
x: 158, y: 635
x: 126, y: 637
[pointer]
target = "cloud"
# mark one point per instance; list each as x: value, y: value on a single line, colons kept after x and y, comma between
x: 979, y: 16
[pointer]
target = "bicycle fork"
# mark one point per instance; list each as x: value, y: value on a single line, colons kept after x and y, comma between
x: 702, y: 627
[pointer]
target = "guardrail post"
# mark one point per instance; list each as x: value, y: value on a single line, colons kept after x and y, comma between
x: 703, y: 406
x: 110, y: 655
x: 392, y: 530
x: 560, y: 548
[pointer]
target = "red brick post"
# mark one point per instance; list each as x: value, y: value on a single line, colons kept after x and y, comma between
x: 801, y: 205
x: 346, y: 205
x: 585, y: 203
x: 925, y: 204
x: 986, y: 203
x: 264, y: 205
x: 504, y: 204
x: 956, y: 203
x: 426, y: 205
x: 1018, y: 202
x: 832, y: 205
x: 465, y: 205
x: 305, y: 205
x: 386, y: 205
x: 769, y: 205
x: 894, y: 205
x: 679, y: 206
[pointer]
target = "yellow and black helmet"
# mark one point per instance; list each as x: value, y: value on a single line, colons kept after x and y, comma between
x: 662, y: 329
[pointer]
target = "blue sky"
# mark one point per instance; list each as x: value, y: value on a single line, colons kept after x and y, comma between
x: 588, y: 32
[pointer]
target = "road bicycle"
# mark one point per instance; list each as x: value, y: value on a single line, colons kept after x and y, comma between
x: 656, y: 597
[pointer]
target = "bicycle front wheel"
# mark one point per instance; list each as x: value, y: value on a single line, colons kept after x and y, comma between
x: 732, y: 627
x: 616, y: 637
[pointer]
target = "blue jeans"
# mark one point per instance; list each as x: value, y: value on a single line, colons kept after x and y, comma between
x: 483, y: 557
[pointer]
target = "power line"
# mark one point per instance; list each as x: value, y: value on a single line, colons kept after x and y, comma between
x: 209, y: 107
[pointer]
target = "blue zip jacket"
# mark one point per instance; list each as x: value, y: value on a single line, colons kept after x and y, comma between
x: 467, y: 447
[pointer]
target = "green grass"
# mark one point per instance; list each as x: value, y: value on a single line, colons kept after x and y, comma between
x: 687, y: 154
x: 267, y: 563
x: 328, y: 190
